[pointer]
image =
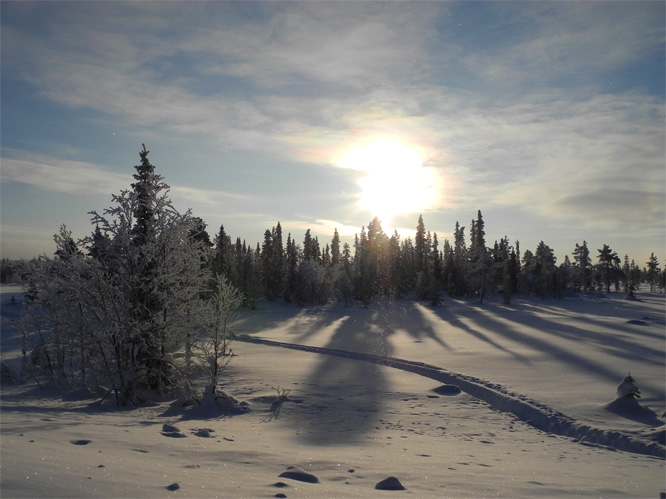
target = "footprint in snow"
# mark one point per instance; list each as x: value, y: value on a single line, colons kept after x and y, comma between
x: 447, y: 390
x: 296, y: 473
x: 203, y: 433
x: 80, y: 442
x: 172, y: 431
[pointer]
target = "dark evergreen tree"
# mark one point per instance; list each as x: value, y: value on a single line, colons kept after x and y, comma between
x: 292, y: 257
x: 407, y: 271
x: 420, y: 250
x: 652, y: 274
x: 395, y: 263
x: 434, y: 272
x: 364, y: 271
x: 223, y: 258
x: 608, y: 266
x: 335, y: 247
x: 480, y: 262
x: 377, y: 263
x: 626, y: 269
x: 308, y: 246
x: 528, y: 272
x: 582, y: 268
x: 544, y: 270
x: 346, y: 282
x: 459, y: 265
x: 326, y: 256
x: 279, y: 262
x: 267, y: 266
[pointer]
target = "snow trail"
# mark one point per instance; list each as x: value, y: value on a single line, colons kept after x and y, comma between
x: 532, y: 412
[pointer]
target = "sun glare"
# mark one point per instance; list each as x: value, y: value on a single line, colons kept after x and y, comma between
x: 394, y: 181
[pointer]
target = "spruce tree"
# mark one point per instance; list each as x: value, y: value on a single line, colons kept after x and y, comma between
x: 544, y: 269
x: 652, y: 274
x: 420, y: 250
x: 278, y: 262
x: 223, y: 260
x: 335, y: 247
x: 582, y: 267
x: 267, y: 265
x: 608, y: 264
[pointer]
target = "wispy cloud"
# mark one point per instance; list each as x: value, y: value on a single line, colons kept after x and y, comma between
x: 50, y: 174
x: 62, y: 176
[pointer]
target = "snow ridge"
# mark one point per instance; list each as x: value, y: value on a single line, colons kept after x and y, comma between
x: 532, y: 412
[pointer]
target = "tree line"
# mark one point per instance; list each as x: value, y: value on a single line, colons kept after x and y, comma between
x: 379, y: 264
x: 143, y: 306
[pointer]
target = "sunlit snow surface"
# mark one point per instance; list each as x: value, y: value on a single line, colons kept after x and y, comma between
x: 352, y: 422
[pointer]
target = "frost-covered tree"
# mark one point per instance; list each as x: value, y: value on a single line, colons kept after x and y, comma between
x: 217, y: 333
x: 125, y: 309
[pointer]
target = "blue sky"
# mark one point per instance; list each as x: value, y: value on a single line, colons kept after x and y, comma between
x: 546, y: 116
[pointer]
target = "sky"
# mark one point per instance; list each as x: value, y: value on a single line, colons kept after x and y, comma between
x: 549, y: 117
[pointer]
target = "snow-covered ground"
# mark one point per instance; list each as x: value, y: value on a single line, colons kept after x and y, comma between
x: 459, y: 400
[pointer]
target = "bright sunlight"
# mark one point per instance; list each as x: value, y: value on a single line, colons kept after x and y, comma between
x: 395, y: 179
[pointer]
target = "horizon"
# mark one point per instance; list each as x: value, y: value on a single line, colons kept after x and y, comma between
x: 547, y: 117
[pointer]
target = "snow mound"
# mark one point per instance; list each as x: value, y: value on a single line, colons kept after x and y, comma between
x: 629, y: 408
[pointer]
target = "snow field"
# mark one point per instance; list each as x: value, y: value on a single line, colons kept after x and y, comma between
x: 352, y: 423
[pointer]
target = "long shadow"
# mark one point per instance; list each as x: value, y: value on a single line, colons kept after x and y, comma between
x: 455, y: 322
x: 339, y: 408
x: 620, y: 311
x: 389, y: 315
x: 410, y: 317
x: 347, y: 396
x: 496, y: 319
x: 612, y: 344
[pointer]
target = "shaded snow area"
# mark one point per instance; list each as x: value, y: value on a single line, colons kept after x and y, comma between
x: 398, y: 399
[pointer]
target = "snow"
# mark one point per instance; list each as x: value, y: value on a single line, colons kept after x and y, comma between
x: 459, y: 400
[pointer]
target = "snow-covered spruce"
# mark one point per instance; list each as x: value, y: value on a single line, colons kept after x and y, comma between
x: 628, y: 388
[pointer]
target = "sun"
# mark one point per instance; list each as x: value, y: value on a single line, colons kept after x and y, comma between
x: 394, y: 179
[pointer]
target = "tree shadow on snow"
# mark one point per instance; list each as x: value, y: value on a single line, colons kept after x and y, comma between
x: 546, y: 335
x: 347, y: 396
